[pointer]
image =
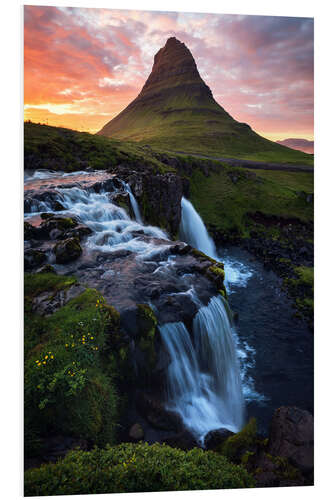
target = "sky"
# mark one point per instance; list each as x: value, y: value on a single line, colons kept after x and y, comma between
x: 83, y: 66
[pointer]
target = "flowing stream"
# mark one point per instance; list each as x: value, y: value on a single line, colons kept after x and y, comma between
x: 212, y: 370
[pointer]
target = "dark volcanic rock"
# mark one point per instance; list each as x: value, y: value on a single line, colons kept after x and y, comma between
x: 48, y: 302
x: 216, y: 437
x: 136, y: 432
x: 291, y: 436
x: 183, y: 440
x: 67, y: 250
x: 33, y: 258
x: 157, y: 415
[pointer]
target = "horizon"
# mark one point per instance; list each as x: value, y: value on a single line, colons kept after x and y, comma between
x: 83, y: 66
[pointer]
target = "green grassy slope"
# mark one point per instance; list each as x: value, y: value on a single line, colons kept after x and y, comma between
x: 64, y: 149
x: 226, y: 205
x: 192, y: 125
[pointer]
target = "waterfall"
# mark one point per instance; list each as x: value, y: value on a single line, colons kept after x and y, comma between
x: 203, y: 377
x: 134, y: 203
x: 193, y: 231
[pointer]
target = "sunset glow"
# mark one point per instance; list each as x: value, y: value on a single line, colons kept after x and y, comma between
x: 83, y: 66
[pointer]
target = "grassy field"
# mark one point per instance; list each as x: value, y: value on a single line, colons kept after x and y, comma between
x: 225, y: 204
x: 64, y: 149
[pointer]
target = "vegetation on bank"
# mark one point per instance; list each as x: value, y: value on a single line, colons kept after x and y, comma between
x: 227, y: 198
x: 136, y: 468
x: 69, y: 383
x: 56, y: 148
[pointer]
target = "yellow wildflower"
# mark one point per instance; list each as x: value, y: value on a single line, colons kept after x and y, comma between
x: 52, y: 357
x: 44, y: 362
x: 46, y: 357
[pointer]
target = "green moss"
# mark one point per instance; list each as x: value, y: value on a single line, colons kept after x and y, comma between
x: 203, y: 257
x: 235, y: 446
x: 34, y: 284
x: 135, y: 468
x: 147, y: 323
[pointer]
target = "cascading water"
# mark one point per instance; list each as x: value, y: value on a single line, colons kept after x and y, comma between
x: 203, y: 379
x: 134, y: 204
x: 192, y: 230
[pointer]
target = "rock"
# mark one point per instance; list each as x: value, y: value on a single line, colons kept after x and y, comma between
x: 46, y: 269
x: 33, y: 258
x: 67, y: 250
x: 48, y: 302
x: 183, y: 440
x: 216, y: 437
x: 291, y: 436
x: 136, y: 432
x: 55, y: 227
x: 157, y: 415
x: 30, y: 232
x: 80, y: 231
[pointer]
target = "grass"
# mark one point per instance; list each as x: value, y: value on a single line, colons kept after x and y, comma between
x: 68, y: 150
x: 226, y: 205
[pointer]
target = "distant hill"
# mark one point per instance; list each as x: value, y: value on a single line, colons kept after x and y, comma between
x: 299, y: 144
x: 176, y: 111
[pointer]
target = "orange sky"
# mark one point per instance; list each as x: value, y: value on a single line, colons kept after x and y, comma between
x: 83, y: 66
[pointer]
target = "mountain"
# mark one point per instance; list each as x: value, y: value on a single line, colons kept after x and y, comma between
x: 299, y: 144
x: 176, y: 111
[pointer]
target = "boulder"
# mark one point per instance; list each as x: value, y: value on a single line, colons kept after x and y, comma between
x: 67, y: 250
x: 47, y: 303
x: 216, y: 437
x: 291, y: 436
x: 54, y: 227
x: 157, y: 415
x: 33, y: 258
x: 136, y: 432
x: 184, y: 440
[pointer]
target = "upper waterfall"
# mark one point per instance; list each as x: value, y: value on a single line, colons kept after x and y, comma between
x: 193, y: 231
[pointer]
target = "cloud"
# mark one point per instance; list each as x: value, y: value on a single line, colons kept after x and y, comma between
x: 259, y: 68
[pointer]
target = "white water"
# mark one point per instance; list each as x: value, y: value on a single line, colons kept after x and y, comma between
x: 193, y: 231
x: 113, y: 230
x: 203, y: 378
x: 134, y: 204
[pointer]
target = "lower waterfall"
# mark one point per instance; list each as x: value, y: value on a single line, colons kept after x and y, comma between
x: 203, y: 377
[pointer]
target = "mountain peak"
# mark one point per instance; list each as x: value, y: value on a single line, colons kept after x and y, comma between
x: 173, y: 65
x: 176, y: 110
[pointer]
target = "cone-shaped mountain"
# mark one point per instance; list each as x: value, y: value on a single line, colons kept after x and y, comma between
x: 176, y: 110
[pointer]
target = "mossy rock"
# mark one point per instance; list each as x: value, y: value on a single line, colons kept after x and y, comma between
x: 147, y: 324
x: 33, y: 258
x: 67, y: 250
x: 238, y: 444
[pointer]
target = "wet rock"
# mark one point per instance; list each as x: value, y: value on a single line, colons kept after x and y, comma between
x: 183, y: 440
x: 136, y: 432
x: 37, y: 201
x: 30, y: 232
x: 33, y: 258
x: 48, y: 302
x: 80, y: 231
x: 291, y: 436
x: 157, y: 415
x: 46, y: 269
x: 67, y: 250
x: 54, y: 227
x: 216, y: 437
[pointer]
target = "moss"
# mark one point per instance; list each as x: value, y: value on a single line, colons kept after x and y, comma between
x: 67, y: 250
x: 235, y: 446
x: 203, y: 257
x: 34, y: 284
x: 147, y: 323
x: 135, y: 468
